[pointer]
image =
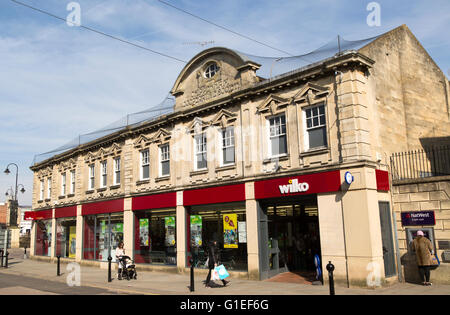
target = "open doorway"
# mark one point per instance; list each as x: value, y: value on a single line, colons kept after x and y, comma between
x: 293, y: 237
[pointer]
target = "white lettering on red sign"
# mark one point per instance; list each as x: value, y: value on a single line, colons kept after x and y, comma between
x: 294, y: 187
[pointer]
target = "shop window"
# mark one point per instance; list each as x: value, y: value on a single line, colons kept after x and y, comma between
x: 277, y: 135
x: 316, y: 131
x: 102, y: 235
x: 66, y: 235
x: 155, y: 237
x: 43, y: 237
x: 145, y: 164
x: 164, y: 151
x: 227, y: 225
x: 200, y: 151
x: 228, y: 146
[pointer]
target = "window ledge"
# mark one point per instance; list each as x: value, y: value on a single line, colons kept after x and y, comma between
x: 283, y: 157
x: 70, y: 195
x: 162, y: 178
x: 102, y: 189
x: 62, y: 197
x: 40, y: 201
x: 199, y: 172
x: 115, y: 186
x: 47, y: 200
x: 315, y: 151
x: 225, y: 167
x: 91, y: 191
x: 143, y: 181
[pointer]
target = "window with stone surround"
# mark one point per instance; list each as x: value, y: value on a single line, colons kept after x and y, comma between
x: 49, y: 188
x: 72, y: 182
x: 314, y: 120
x: 277, y: 135
x: 41, y: 193
x: 228, y: 149
x: 63, y: 184
x: 200, y: 155
x: 104, y: 169
x: 145, y: 164
x: 91, y: 177
x: 164, y: 151
x: 117, y: 171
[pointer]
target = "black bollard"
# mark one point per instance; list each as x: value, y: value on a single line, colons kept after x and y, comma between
x: 24, y: 253
x: 109, y: 268
x: 58, y: 267
x: 330, y: 268
x: 191, y: 287
x: 1, y: 256
x: 6, y: 259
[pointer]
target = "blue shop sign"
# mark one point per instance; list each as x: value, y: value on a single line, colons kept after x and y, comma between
x: 414, y: 218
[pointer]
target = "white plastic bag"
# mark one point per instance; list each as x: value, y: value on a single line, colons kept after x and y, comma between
x: 214, y: 275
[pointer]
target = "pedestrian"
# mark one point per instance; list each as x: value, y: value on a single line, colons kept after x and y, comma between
x: 424, y: 251
x: 213, y: 260
x: 120, y: 252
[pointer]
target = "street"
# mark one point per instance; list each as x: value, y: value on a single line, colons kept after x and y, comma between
x: 23, y: 285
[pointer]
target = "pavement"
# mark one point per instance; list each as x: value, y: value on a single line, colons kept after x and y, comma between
x: 161, y: 283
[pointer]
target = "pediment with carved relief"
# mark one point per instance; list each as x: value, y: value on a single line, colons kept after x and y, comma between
x: 223, y: 118
x: 161, y: 136
x: 197, y: 126
x: 142, y: 141
x: 273, y: 104
x: 311, y: 94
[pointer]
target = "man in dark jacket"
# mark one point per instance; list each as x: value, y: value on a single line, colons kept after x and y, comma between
x: 213, y: 260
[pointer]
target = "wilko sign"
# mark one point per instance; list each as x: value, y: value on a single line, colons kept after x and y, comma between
x: 418, y: 218
x: 293, y: 187
x: 298, y: 185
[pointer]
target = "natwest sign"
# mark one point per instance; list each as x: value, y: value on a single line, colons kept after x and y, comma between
x: 298, y: 185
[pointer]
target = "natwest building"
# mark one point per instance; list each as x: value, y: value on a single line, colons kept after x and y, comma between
x: 278, y: 169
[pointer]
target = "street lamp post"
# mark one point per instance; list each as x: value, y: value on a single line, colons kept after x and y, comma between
x: 14, y: 204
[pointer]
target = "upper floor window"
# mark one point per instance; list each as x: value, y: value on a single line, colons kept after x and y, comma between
x: 91, y: 177
x: 211, y: 70
x: 49, y: 188
x: 227, y: 146
x: 104, y: 174
x: 145, y: 164
x: 63, y: 184
x: 72, y: 181
x: 164, y: 151
x: 316, y: 128
x: 117, y: 171
x: 41, y: 193
x: 277, y: 135
x: 200, y: 151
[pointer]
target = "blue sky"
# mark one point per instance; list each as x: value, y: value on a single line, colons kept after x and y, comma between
x: 58, y: 81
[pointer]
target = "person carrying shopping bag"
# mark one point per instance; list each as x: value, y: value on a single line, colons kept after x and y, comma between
x: 424, y: 251
x: 213, y: 260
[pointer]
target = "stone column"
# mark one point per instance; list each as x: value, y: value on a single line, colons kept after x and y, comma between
x: 128, y: 228
x: 33, y: 238
x: 252, y: 222
x: 53, y: 248
x: 79, y: 241
x: 181, y: 223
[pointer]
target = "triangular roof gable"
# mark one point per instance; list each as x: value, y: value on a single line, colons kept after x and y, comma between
x: 272, y: 103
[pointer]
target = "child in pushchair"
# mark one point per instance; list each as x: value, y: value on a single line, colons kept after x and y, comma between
x: 127, y: 268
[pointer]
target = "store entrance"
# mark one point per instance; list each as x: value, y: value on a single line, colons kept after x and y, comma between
x: 293, y: 236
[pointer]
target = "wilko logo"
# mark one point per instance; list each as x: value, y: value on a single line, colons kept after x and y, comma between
x: 294, y: 187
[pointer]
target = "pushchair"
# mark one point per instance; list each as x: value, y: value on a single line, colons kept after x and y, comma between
x: 127, y: 268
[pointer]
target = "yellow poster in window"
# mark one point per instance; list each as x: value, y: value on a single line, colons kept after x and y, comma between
x: 72, y: 241
x: 230, y: 235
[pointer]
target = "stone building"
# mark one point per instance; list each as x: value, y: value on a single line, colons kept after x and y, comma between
x: 278, y: 169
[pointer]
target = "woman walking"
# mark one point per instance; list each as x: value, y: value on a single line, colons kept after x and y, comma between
x: 424, y: 249
x: 213, y: 260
